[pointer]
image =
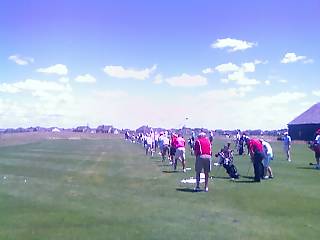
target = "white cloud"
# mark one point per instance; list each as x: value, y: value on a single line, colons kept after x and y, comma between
x: 260, y: 62
x: 248, y: 67
x: 59, y: 69
x: 316, y: 93
x: 267, y: 82
x: 232, y: 44
x: 64, y: 80
x: 112, y: 107
x: 224, y: 80
x: 207, y: 70
x: 283, y: 81
x: 308, y: 61
x: 284, y: 97
x: 21, y: 60
x: 34, y: 86
x: 8, y: 88
x: 238, y: 73
x: 276, y: 78
x: 158, y: 79
x: 121, y: 72
x: 227, y: 67
x: 39, y: 102
x: 87, y: 78
x: 222, y: 95
x: 111, y: 94
x: 292, y: 57
x: 242, y: 111
x: 240, y: 78
x: 186, y: 80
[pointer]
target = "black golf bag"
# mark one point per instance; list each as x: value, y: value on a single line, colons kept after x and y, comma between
x: 228, y: 165
x: 231, y: 170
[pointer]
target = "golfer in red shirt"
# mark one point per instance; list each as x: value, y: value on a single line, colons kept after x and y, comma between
x: 256, y: 154
x: 202, y: 151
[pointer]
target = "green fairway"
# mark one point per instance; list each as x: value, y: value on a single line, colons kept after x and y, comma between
x: 108, y: 189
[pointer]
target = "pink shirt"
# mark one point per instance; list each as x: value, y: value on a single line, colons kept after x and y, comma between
x: 180, y: 142
x: 202, y: 147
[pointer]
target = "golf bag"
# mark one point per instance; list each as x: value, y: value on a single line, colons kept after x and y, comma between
x: 191, y: 145
x: 227, y: 163
x: 314, y: 146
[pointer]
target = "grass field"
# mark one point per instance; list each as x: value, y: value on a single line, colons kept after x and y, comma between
x: 108, y: 189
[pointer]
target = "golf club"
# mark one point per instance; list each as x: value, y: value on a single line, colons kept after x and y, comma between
x: 249, y: 168
x: 218, y: 166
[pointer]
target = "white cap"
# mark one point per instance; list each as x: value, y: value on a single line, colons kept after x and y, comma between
x: 202, y: 134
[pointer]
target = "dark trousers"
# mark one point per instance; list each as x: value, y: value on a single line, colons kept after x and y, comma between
x: 258, y: 166
x: 240, y: 150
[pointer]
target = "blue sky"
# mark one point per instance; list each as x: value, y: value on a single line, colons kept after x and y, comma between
x: 223, y: 64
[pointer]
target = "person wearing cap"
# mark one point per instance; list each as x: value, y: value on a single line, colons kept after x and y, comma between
x: 180, y: 154
x: 163, y: 145
x: 287, y: 145
x: 211, y: 137
x: 148, y: 146
x: 317, y: 149
x: 203, y: 152
x: 242, y: 142
x: 256, y: 154
x: 172, y: 147
x: 268, y: 156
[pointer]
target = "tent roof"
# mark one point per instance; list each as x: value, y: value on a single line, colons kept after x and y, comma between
x: 311, y: 116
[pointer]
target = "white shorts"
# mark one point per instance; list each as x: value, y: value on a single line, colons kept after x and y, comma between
x: 266, y: 160
x: 180, y: 153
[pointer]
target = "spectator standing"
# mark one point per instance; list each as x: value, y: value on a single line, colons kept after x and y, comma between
x: 317, y: 148
x: 180, y: 154
x: 268, y: 156
x: 287, y: 145
x: 164, y: 145
x: 211, y: 137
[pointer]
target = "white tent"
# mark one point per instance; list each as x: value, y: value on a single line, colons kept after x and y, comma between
x: 56, y: 130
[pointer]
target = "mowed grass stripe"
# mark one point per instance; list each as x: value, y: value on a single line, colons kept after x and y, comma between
x: 108, y: 189
x: 88, y: 173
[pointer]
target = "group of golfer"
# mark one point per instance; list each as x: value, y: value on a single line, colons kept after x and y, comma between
x: 173, y: 147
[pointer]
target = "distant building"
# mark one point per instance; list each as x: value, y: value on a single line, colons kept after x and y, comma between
x: 41, y: 129
x: 306, y: 124
x: 83, y: 129
x: 104, y: 129
x: 143, y: 129
x: 10, y: 130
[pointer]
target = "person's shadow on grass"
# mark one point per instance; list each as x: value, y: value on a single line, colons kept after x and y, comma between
x: 189, y: 190
x: 308, y: 168
x: 218, y: 177
x: 247, y: 177
x: 169, y: 171
x: 164, y: 165
x: 250, y: 180
x: 244, y: 181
